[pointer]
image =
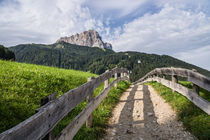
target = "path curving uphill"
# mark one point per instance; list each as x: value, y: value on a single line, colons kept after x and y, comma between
x: 142, y: 114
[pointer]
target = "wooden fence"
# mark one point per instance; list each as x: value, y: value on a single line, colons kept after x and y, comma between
x: 53, y: 110
x: 193, y: 76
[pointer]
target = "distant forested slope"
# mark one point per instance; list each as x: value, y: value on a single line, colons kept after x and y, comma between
x: 6, y: 54
x: 149, y: 62
x: 62, y: 55
x: 95, y: 60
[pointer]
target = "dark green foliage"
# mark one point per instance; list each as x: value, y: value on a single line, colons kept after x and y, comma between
x: 63, y: 55
x: 194, y: 119
x: 96, y: 60
x: 6, y: 54
x: 149, y: 62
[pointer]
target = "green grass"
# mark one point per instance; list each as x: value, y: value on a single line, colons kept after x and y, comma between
x: 22, y: 86
x: 202, y: 92
x: 194, y: 119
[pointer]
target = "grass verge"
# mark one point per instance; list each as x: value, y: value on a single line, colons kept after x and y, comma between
x: 194, y: 119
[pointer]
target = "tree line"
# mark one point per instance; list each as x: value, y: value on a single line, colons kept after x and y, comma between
x: 96, y: 60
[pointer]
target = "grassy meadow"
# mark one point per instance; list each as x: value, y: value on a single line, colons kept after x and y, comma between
x: 194, y: 119
x: 22, y: 86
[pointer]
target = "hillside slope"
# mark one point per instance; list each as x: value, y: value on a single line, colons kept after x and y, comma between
x: 63, y: 55
x: 95, y: 60
x: 149, y: 62
x: 23, y: 85
x: 6, y: 54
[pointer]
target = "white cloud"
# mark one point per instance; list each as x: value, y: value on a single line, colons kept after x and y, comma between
x: 193, y: 5
x: 170, y: 31
x: 175, y: 27
x: 116, y: 8
x: 199, y: 56
x: 43, y: 21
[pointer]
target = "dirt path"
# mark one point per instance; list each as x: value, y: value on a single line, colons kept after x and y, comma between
x: 142, y: 114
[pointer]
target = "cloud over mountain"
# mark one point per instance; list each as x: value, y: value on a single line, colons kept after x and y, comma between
x: 154, y: 26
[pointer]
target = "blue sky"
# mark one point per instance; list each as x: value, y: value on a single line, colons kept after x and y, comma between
x: 180, y: 28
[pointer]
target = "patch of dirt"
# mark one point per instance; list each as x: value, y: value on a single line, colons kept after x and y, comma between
x: 142, y: 114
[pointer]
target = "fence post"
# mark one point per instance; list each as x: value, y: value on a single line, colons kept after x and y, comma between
x: 195, y: 87
x: 115, y: 77
x: 106, y: 82
x: 121, y: 74
x: 45, y: 100
x: 164, y: 77
x: 174, y: 79
x: 89, y: 99
x: 128, y: 75
x: 153, y: 77
x: 125, y: 74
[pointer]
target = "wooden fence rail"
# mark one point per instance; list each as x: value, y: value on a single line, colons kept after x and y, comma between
x: 49, y: 115
x: 69, y: 132
x: 196, y: 78
x: 193, y: 76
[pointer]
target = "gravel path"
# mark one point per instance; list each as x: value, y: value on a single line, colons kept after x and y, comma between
x: 142, y: 114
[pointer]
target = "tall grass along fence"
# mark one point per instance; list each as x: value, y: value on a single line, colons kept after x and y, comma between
x: 41, y: 124
x: 193, y: 76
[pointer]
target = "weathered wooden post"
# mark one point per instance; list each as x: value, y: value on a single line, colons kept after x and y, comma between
x: 174, y: 78
x: 125, y: 74
x: 106, y: 82
x: 121, y: 74
x: 195, y: 87
x: 164, y: 76
x: 149, y: 76
x: 158, y: 77
x: 89, y: 99
x: 45, y: 100
x: 153, y: 77
x: 115, y: 77
x: 128, y: 75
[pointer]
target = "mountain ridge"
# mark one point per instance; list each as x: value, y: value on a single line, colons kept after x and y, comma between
x: 90, y: 38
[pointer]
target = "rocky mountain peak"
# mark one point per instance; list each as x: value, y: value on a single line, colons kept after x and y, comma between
x: 89, y: 38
